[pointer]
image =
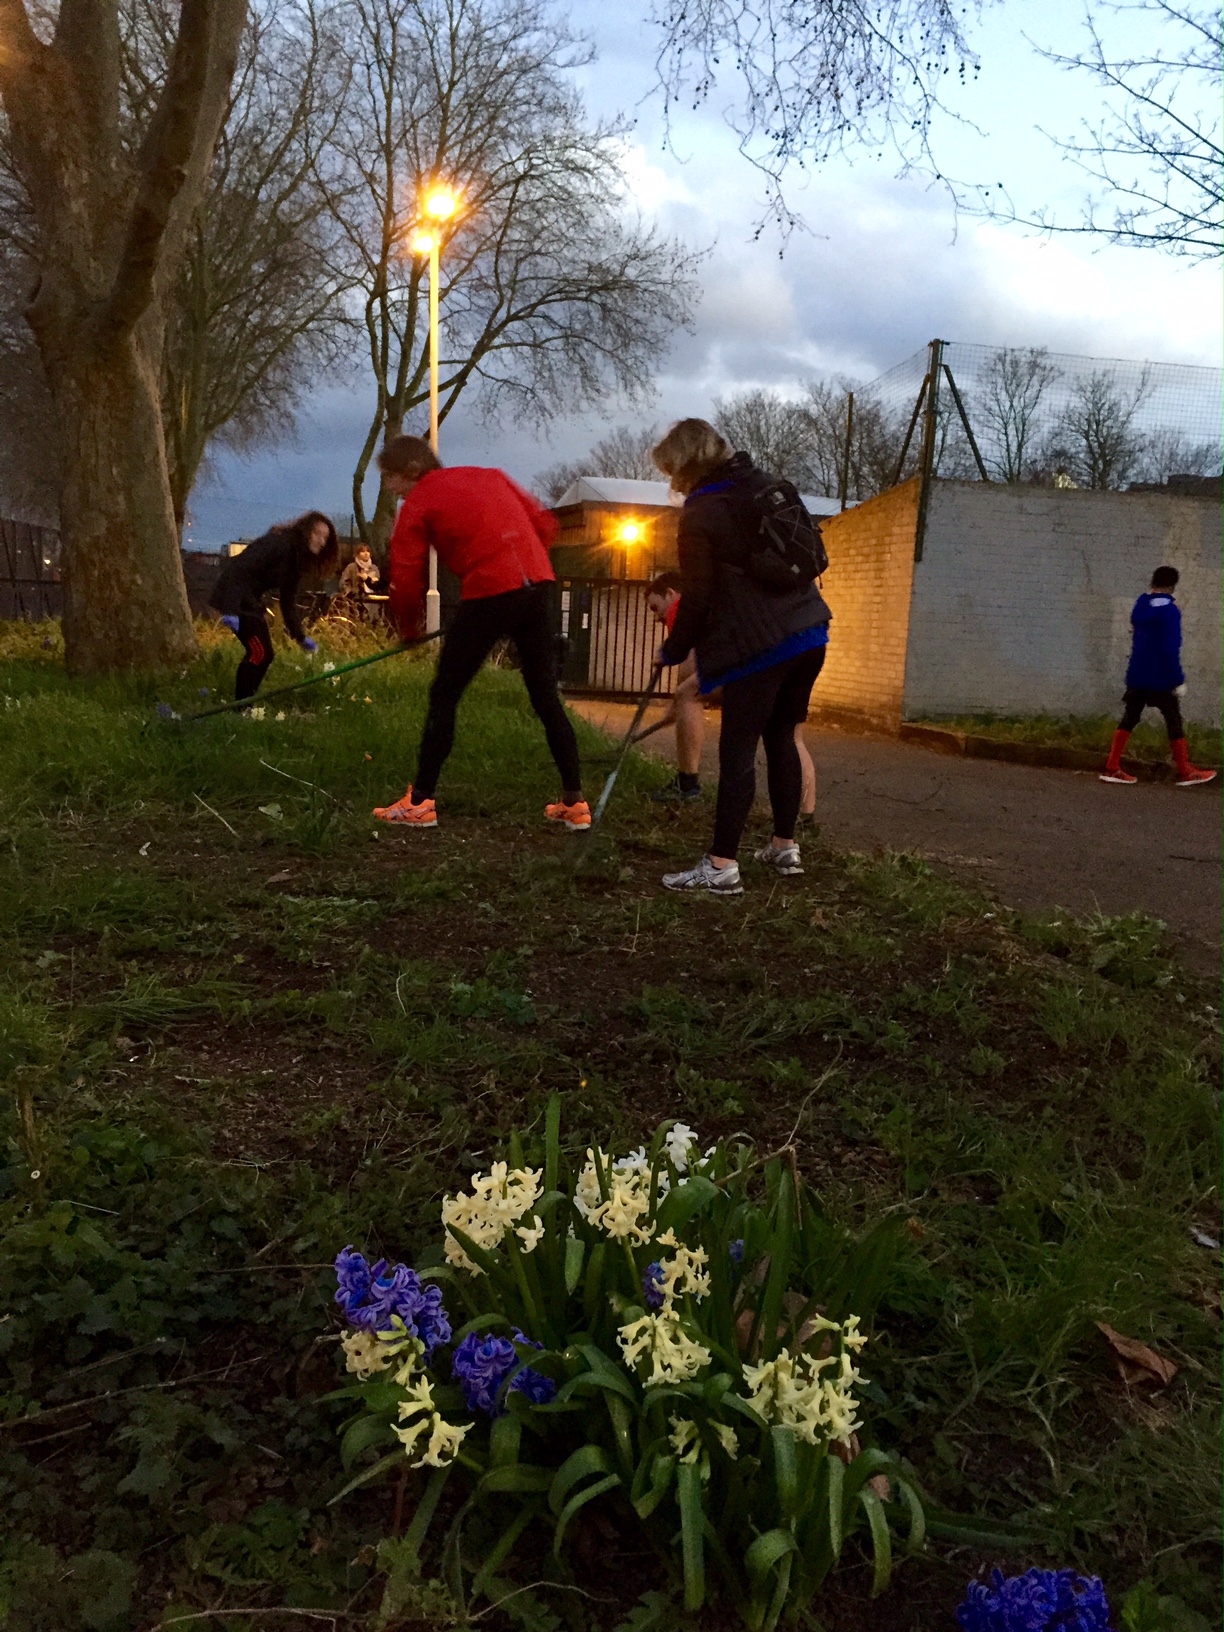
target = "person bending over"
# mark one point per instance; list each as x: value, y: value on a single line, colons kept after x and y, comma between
x: 274, y: 562
x: 687, y: 712
x: 1154, y: 679
x: 763, y: 645
x: 495, y: 538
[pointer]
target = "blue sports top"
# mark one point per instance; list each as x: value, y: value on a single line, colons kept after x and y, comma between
x: 1155, y: 662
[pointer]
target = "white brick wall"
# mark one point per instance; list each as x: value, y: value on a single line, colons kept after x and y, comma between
x: 1021, y: 603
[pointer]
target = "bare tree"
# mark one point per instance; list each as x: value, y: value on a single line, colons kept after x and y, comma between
x: 110, y: 208
x: 1158, y: 152
x: 1096, y: 440
x: 876, y: 438
x: 815, y: 79
x: 623, y: 452
x: 774, y: 430
x: 1007, y: 405
x: 1168, y: 453
x: 551, y: 299
x: 258, y: 310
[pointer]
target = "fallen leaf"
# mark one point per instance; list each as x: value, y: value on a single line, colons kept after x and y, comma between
x: 1205, y: 1240
x: 914, y: 1226
x: 846, y: 1453
x: 879, y: 1482
x: 285, y: 877
x: 144, y: 849
x: 1137, y: 1363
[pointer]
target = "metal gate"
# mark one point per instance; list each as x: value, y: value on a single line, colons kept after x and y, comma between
x: 29, y: 571
x: 609, y: 637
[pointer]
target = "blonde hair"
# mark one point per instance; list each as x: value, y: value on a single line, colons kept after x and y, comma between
x: 689, y: 452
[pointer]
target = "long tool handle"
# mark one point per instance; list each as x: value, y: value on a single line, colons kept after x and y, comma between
x: 261, y: 697
x: 643, y: 705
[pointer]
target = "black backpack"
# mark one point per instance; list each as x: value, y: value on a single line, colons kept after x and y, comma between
x: 788, y: 551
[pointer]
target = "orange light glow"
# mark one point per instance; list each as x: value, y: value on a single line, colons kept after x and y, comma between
x: 630, y: 532
x: 423, y: 243
x: 440, y: 203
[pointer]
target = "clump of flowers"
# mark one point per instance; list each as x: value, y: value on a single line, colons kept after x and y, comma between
x: 792, y: 1389
x: 483, y: 1362
x: 1037, y: 1601
x: 392, y: 1299
x: 498, y: 1200
x: 423, y: 1420
x: 673, y: 1355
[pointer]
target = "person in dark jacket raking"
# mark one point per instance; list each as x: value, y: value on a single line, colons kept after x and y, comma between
x: 763, y: 645
x: 274, y: 562
x: 1154, y: 679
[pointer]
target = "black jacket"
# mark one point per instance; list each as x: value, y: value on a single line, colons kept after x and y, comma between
x: 274, y: 562
x: 726, y: 615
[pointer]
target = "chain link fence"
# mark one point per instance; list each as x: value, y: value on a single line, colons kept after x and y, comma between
x: 1026, y: 414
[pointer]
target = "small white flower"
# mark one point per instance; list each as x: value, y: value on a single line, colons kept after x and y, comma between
x: 531, y: 1235
x: 363, y: 1354
x: 674, y: 1356
x: 679, y: 1145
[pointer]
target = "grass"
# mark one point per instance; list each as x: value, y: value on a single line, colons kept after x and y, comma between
x: 242, y: 1029
x: 1092, y: 732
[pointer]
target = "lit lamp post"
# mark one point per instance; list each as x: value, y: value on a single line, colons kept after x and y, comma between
x: 440, y: 205
x: 629, y: 533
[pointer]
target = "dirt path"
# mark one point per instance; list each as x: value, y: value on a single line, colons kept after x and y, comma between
x: 1035, y: 838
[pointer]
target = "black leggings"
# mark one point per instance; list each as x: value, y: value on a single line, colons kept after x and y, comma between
x: 524, y: 616
x: 764, y: 707
x: 1136, y: 700
x: 257, y: 659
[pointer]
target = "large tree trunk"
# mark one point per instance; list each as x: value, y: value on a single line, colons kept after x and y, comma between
x: 125, y: 605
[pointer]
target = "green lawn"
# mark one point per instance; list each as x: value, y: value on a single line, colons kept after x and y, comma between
x: 1094, y: 732
x: 243, y: 1029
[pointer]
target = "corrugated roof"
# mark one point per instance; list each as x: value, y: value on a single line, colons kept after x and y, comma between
x: 654, y: 495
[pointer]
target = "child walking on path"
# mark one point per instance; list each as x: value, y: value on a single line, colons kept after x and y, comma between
x: 495, y: 538
x: 1154, y: 679
x: 274, y: 562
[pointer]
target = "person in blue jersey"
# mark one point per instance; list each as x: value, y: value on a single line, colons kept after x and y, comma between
x: 1154, y: 679
x: 762, y: 645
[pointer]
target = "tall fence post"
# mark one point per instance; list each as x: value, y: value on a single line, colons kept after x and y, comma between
x: 930, y: 434
x: 844, y: 492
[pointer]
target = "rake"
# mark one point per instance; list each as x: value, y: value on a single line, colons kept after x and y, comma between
x: 261, y: 697
x: 627, y: 743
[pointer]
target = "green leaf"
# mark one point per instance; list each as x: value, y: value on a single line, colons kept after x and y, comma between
x: 687, y: 1199
x: 360, y: 1434
x: 590, y: 1459
x: 575, y: 1252
x: 769, y: 1316
x: 881, y: 1542
x: 917, y: 1530
x: 503, y: 1547
x: 786, y: 1471
x: 504, y: 1437
x: 837, y: 1503
x: 765, y: 1553
x: 662, y: 1470
x: 552, y: 1144
x: 401, y: 1556
x: 383, y: 1465
x: 575, y: 1502
x: 522, y: 1478
x: 593, y: 1302
x: 692, y: 1533
x: 606, y: 1373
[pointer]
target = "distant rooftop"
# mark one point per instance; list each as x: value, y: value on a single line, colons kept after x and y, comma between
x: 654, y: 495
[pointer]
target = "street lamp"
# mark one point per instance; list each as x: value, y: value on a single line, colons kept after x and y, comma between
x: 439, y: 205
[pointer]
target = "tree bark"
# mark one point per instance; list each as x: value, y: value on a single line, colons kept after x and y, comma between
x: 111, y: 228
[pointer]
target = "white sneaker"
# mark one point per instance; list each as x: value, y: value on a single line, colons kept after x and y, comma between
x: 705, y: 876
x: 783, y: 858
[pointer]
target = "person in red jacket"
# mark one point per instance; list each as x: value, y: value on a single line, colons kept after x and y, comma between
x: 495, y: 538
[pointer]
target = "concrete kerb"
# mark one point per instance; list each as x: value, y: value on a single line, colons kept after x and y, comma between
x: 943, y: 741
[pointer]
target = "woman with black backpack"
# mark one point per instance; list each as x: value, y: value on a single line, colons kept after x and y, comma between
x: 751, y: 611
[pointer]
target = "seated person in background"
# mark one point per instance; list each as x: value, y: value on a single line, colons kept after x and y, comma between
x: 360, y: 576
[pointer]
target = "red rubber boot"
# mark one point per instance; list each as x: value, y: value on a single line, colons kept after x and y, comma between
x: 1113, y: 771
x: 1188, y: 776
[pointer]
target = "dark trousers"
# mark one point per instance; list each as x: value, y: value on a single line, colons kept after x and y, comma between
x: 257, y: 656
x: 763, y: 708
x: 524, y: 616
x: 1135, y: 700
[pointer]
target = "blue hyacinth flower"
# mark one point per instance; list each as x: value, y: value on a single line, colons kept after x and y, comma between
x: 482, y: 1363
x: 1037, y: 1601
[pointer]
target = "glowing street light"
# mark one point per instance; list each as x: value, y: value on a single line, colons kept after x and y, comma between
x: 630, y: 532
x: 439, y: 204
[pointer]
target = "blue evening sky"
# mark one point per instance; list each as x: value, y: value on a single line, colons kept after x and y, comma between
x: 885, y: 266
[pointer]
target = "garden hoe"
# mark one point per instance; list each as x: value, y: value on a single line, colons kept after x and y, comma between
x: 629, y: 738
x: 261, y: 697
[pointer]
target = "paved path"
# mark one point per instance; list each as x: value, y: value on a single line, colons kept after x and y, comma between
x: 1035, y: 838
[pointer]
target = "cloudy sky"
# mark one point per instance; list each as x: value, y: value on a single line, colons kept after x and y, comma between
x: 886, y: 264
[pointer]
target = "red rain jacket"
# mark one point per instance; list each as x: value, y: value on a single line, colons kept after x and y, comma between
x: 486, y: 529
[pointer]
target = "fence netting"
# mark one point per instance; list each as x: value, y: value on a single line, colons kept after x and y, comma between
x: 1026, y: 414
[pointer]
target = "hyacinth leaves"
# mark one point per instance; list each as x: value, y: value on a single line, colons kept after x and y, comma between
x: 673, y: 1335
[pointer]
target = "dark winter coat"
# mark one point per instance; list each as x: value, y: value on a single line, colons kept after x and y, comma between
x: 726, y: 616
x: 274, y: 562
x: 1155, y: 663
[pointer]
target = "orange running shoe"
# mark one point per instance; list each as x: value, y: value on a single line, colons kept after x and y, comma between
x: 575, y: 817
x: 403, y: 813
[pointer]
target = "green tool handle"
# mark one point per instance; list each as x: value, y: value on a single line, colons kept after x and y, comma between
x: 262, y: 697
x: 643, y: 705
